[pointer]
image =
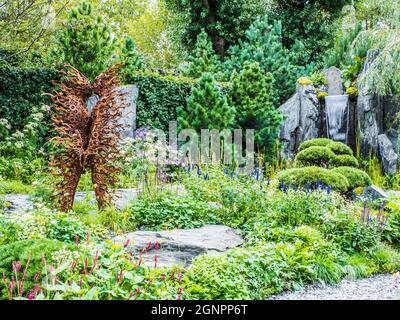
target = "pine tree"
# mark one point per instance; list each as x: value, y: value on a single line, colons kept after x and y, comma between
x: 203, y: 59
x: 207, y: 107
x: 251, y: 98
x: 130, y: 57
x: 85, y: 42
x: 263, y: 44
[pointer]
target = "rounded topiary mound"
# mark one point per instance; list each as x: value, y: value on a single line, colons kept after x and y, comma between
x: 313, y: 177
x: 314, y: 156
x: 340, y: 148
x: 319, y: 142
x: 355, y: 177
x: 344, y: 160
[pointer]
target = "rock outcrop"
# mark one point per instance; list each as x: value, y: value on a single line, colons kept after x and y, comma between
x: 335, y: 82
x: 301, y: 114
x: 180, y: 246
x: 377, y: 122
x: 387, y: 154
x: 368, y: 121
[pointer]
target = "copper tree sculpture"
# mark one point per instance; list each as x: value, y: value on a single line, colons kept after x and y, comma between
x: 86, y: 140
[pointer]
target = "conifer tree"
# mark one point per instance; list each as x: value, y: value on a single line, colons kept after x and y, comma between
x: 203, y: 59
x: 251, y: 98
x: 207, y: 107
x: 85, y: 42
x: 263, y: 44
x: 130, y: 57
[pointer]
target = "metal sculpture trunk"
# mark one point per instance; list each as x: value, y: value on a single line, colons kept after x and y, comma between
x: 86, y: 140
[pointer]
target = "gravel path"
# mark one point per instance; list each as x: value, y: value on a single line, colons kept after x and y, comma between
x: 379, y: 287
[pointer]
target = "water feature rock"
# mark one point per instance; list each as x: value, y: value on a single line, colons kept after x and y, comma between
x: 335, y: 82
x: 369, y: 113
x: 377, y: 121
x: 337, y: 117
x: 181, y: 246
x: 301, y: 119
x: 128, y: 118
x: 388, y: 154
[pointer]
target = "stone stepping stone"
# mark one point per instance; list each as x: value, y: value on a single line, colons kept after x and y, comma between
x: 180, y: 246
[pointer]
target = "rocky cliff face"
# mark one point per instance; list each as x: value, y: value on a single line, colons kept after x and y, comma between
x: 377, y: 125
x: 371, y: 118
x: 301, y: 114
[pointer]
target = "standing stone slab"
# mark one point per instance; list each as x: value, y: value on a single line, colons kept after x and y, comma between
x: 128, y: 118
x: 368, y: 111
x: 301, y: 119
x: 335, y: 82
x: 388, y: 154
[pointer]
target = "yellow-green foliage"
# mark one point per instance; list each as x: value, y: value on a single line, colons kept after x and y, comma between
x: 314, y: 156
x: 340, y: 148
x: 355, y: 177
x: 304, y: 81
x: 343, y: 160
x: 322, y: 95
x: 353, y: 91
x: 301, y: 177
x: 319, y: 142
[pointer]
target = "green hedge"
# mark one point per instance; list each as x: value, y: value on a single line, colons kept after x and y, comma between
x: 21, y: 90
x: 159, y: 97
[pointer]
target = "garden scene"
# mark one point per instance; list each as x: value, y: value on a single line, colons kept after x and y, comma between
x: 199, y: 150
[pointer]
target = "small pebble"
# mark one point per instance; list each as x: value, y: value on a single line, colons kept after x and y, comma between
x: 379, y: 287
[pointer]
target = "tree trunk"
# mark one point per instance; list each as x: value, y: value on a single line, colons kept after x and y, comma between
x: 219, y: 43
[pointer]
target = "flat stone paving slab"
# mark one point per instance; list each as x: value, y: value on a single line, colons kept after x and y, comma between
x: 180, y: 246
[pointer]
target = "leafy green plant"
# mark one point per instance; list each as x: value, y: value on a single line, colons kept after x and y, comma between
x: 350, y: 233
x: 290, y: 210
x: 391, y: 231
x: 168, y: 211
x: 66, y: 229
x: 119, y: 221
x: 318, y: 79
x: 14, y: 186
